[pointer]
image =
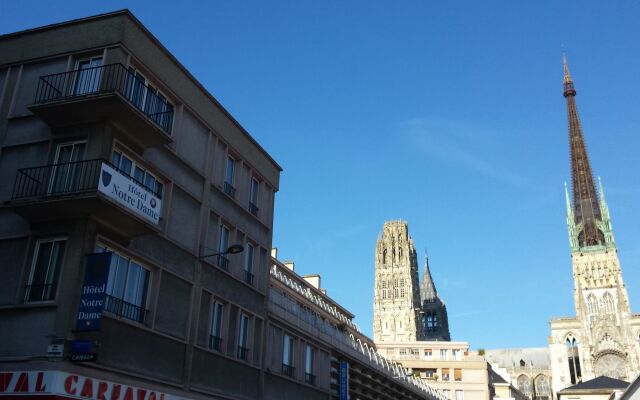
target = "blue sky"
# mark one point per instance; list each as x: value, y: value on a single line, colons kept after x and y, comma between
x: 449, y: 115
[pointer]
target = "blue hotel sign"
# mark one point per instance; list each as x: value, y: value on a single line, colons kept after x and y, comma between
x: 92, y: 296
x: 344, y: 380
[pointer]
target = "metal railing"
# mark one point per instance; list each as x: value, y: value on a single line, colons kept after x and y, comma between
x: 62, y: 179
x: 223, y: 262
x: 288, y: 370
x: 243, y: 352
x: 229, y: 189
x: 248, y: 277
x: 102, y: 80
x: 57, y: 179
x: 253, y: 209
x: 309, y: 378
x: 215, y: 342
x: 40, y: 292
x: 124, y: 309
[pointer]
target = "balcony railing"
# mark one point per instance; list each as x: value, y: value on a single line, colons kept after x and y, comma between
x: 215, y: 342
x: 253, y: 209
x: 111, y: 78
x: 41, y: 292
x: 61, y: 179
x: 223, y: 262
x: 287, y: 370
x: 309, y: 378
x: 243, y: 353
x: 126, y: 310
x: 248, y: 277
x: 229, y: 189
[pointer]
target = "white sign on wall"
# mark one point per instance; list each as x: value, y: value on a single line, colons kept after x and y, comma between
x: 128, y: 193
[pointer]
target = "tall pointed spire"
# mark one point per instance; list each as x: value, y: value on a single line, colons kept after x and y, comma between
x: 427, y: 287
x: 585, y: 198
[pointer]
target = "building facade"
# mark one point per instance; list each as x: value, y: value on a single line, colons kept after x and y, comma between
x: 121, y: 178
x: 316, y: 351
x: 404, y: 309
x: 602, y: 339
x: 449, y: 367
x: 527, y: 369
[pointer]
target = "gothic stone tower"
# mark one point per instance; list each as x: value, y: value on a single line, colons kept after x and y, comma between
x: 603, y: 337
x: 434, y: 311
x: 396, y: 304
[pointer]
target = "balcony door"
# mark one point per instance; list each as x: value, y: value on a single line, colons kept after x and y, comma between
x: 88, y: 76
x: 67, y: 174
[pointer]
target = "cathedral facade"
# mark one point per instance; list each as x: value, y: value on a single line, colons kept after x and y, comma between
x: 603, y: 337
x: 404, y: 310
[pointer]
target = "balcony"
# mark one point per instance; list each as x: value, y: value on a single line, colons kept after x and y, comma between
x: 230, y: 190
x: 223, y: 262
x: 126, y: 310
x: 107, y: 92
x: 215, y: 342
x: 243, y: 353
x: 253, y: 209
x: 288, y: 370
x: 86, y: 188
x: 248, y: 277
x: 309, y: 378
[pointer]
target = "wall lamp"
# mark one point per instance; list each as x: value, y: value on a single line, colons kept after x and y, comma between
x: 233, y: 249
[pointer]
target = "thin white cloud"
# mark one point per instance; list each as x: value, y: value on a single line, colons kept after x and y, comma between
x: 458, y: 144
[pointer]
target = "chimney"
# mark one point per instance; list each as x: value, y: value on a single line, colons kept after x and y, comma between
x: 313, y: 280
x: 289, y: 264
x: 274, y: 252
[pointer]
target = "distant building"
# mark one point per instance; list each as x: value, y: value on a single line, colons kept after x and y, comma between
x: 404, y: 309
x: 527, y: 369
x: 603, y: 338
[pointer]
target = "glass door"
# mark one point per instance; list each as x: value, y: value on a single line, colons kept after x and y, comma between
x: 88, y: 76
x: 67, y: 171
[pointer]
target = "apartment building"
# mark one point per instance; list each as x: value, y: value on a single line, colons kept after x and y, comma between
x: 123, y: 183
x: 447, y: 366
x: 316, y: 351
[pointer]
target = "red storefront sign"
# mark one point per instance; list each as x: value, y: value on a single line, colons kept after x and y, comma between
x: 63, y: 385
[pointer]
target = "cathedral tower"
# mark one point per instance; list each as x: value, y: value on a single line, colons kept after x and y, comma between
x: 434, y: 313
x: 603, y: 338
x: 396, y: 304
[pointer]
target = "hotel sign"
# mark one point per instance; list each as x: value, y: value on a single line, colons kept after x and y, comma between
x: 344, y: 380
x: 129, y: 194
x: 94, y: 290
x: 58, y: 384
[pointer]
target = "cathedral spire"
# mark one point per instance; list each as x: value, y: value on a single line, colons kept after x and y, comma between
x: 427, y: 288
x: 586, y: 208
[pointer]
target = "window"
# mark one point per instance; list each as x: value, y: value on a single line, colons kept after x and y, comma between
x: 215, y: 340
x: 592, y: 304
x: 430, y: 373
x: 88, y: 76
x: 248, y: 264
x: 228, y: 178
x: 457, y: 374
x: 573, y: 357
x: 287, y: 356
x: 455, y: 353
x: 137, y: 172
x: 308, y: 365
x: 415, y: 352
x: 459, y: 394
x: 384, y: 256
x: 127, y: 288
x: 223, y: 245
x: 444, y: 354
x: 402, y: 292
x: 403, y: 352
x: 149, y: 99
x: 427, y: 353
x: 253, y: 197
x: 243, y: 336
x: 47, y: 262
x: 429, y: 321
x: 446, y: 393
x: 68, y: 172
x: 607, y: 304
x: 445, y: 374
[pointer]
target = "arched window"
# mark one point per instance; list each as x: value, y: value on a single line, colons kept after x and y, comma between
x: 592, y: 304
x: 607, y: 303
x: 384, y: 256
x: 524, y: 385
x: 429, y: 321
x: 402, y: 292
x: 435, y: 320
x: 573, y: 357
x: 541, y: 387
x: 400, y: 252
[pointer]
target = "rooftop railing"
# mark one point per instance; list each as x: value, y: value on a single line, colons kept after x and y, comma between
x: 111, y: 78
